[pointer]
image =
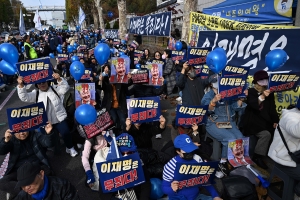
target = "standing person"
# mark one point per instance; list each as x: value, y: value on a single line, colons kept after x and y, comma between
x: 146, y: 57
x: 29, y: 50
x: 169, y: 71
x: 157, y: 55
x: 52, y: 97
x: 131, y: 56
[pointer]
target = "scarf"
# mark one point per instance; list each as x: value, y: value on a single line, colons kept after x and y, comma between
x: 42, y: 194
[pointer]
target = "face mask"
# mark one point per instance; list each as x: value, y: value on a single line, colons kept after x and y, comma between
x: 215, y: 85
x: 188, y: 156
x: 192, y: 74
x: 163, y: 56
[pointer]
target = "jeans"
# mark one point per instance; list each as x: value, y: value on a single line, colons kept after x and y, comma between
x: 118, y: 116
x: 63, y: 129
x: 203, y: 197
x: 223, y: 135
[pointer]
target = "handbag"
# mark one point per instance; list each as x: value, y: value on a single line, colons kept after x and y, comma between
x: 127, y: 195
x: 294, y: 155
x: 223, y: 124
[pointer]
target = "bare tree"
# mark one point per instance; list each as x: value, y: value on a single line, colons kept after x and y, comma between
x: 189, y: 6
x: 95, y: 16
x: 122, y: 18
x: 100, y: 13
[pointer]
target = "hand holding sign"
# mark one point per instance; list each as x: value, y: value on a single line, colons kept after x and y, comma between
x: 48, y: 128
x: 217, y: 98
x: 128, y: 124
x: 20, y: 81
x: 7, y: 135
x: 266, y: 93
x: 175, y: 186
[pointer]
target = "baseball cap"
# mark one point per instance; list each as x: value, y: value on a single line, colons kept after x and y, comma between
x: 213, y: 78
x: 184, y: 142
x: 27, y: 173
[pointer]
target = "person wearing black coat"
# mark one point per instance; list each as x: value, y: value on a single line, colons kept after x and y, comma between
x: 24, y: 147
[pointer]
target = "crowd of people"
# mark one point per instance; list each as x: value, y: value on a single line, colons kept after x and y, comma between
x: 29, y: 174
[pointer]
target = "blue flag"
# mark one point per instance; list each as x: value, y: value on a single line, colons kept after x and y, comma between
x: 22, y: 24
x: 114, y: 151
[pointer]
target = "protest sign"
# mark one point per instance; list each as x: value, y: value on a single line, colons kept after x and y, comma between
x: 179, y: 55
x: 111, y: 33
x: 35, y: 71
x: 117, y: 41
x: 232, y: 70
x: 102, y: 123
x: 27, y: 118
x: 153, y: 61
x: 81, y: 48
x: 120, y: 67
x: 196, y: 57
x: 91, y: 52
x: 202, y: 71
x: 146, y: 109
x: 85, y: 94
x: 283, y: 81
x: 238, y: 152
x: 155, y: 74
x: 189, y: 115
x: 79, y: 55
x: 154, y: 25
x: 139, y: 76
x: 87, y: 74
x: 137, y: 56
x: 121, y: 173
x: 62, y: 57
x: 231, y: 87
x: 196, y: 174
x: 171, y: 45
x: 134, y: 44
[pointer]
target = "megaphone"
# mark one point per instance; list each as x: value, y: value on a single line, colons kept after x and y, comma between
x: 264, y: 182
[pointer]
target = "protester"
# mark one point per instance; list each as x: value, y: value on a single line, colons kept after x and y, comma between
x: 169, y: 72
x: 146, y: 57
x: 28, y: 146
x: 37, y: 185
x: 30, y: 52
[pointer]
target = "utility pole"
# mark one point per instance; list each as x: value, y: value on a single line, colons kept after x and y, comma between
x: 297, y: 18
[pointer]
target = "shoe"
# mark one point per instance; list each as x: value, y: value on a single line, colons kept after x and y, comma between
x: 223, y: 168
x: 260, y: 163
x: 72, y: 152
x: 158, y: 136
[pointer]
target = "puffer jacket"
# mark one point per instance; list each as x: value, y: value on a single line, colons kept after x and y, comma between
x: 58, y: 189
x: 290, y: 127
x: 38, y: 141
x: 57, y: 102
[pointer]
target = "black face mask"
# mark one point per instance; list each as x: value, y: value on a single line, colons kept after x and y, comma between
x: 192, y: 74
x: 188, y: 156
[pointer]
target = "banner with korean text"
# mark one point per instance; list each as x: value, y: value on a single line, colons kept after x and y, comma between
x: 145, y: 109
x: 121, y: 173
x: 152, y: 25
x: 35, y: 71
x: 196, y: 57
x: 231, y: 87
x: 111, y: 33
x: 140, y: 76
x: 27, y: 118
x: 62, y: 57
x: 196, y: 174
x: 189, y: 115
x: 283, y: 81
x: 179, y: 55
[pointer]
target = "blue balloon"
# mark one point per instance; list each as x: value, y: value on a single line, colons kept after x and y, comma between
x: 7, y: 68
x: 59, y: 50
x: 75, y: 45
x: 178, y: 46
x: 19, y: 43
x: 156, y: 188
x: 102, y: 53
x: 123, y: 41
x: 9, y: 53
x: 85, y: 114
x: 77, y: 27
x: 216, y: 61
x: 276, y: 59
x: 51, y: 55
x: 77, y: 70
x: 96, y: 35
x: 121, y: 53
x: 70, y: 48
x: 138, y: 66
x: 75, y: 58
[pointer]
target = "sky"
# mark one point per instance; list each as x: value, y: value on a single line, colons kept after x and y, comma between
x: 43, y: 15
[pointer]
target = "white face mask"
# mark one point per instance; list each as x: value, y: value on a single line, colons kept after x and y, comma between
x: 215, y: 85
x: 163, y: 56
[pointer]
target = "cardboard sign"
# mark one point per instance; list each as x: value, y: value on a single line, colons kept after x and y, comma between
x: 196, y: 57
x: 35, y: 71
x: 117, y: 41
x: 87, y: 74
x: 179, y: 55
x: 120, y: 67
x: 194, y: 175
x: 139, y: 76
x: 137, y: 54
x: 231, y: 87
x: 79, y: 55
x: 135, y: 44
x: 120, y: 173
x: 283, y: 81
x: 85, y: 93
x: 189, y: 115
x: 145, y: 109
x: 171, y: 44
x: 62, y: 57
x: 238, y: 152
x: 155, y: 74
x: 232, y: 70
x: 27, y: 118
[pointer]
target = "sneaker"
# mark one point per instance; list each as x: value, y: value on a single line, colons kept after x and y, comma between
x: 223, y: 168
x: 72, y: 152
x: 158, y: 136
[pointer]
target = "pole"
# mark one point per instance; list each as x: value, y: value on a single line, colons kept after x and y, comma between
x: 297, y: 18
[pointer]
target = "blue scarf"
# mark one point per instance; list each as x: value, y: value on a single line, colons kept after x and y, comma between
x: 42, y: 194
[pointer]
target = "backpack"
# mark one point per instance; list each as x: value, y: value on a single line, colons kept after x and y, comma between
x: 68, y: 102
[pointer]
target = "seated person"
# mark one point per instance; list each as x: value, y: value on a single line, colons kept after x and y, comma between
x: 290, y: 128
x: 260, y: 116
x: 36, y: 185
x: 24, y: 147
x: 221, y: 112
x: 185, y: 149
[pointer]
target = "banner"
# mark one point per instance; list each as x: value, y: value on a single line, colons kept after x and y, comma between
x: 154, y: 25
x: 146, y: 109
x: 231, y: 87
x: 196, y: 174
x: 62, y: 57
x: 283, y: 81
x: 85, y: 93
x: 139, y: 76
x: 179, y: 55
x: 255, y: 11
x: 111, y: 33
x: 120, y: 67
x: 196, y: 57
x: 231, y: 70
x: 102, y: 123
x: 121, y: 173
x: 238, y: 152
x: 189, y: 115
x: 137, y: 56
x: 87, y: 74
x: 155, y: 73
x: 35, y: 71
x: 27, y: 118
x: 249, y: 48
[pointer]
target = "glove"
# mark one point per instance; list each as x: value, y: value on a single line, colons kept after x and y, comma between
x: 90, y: 177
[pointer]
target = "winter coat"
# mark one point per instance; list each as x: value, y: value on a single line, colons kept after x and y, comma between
x: 57, y: 102
x: 170, y: 75
x: 290, y: 127
x: 38, y: 142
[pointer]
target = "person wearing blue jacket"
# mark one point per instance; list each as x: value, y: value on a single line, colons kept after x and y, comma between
x: 185, y: 149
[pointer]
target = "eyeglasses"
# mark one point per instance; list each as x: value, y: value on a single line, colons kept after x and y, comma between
x: 157, y: 55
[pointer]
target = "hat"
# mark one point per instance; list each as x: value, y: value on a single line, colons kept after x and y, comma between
x: 126, y: 143
x: 260, y: 75
x: 184, y: 142
x: 213, y: 78
x: 27, y: 173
